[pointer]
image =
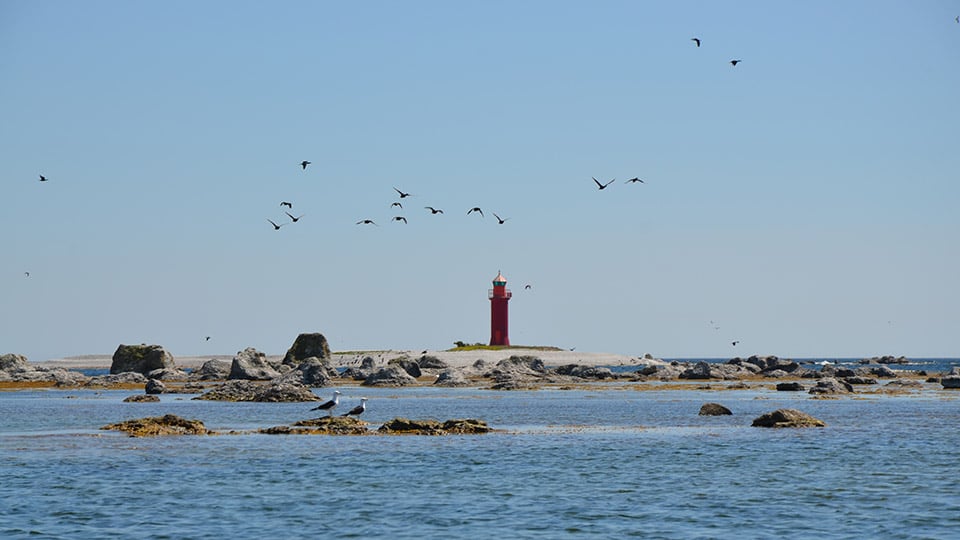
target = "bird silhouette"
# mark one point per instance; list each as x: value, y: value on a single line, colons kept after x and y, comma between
x: 735, y: 62
x: 475, y: 209
x: 366, y: 222
x: 304, y: 164
x: 634, y: 180
x: 602, y: 186
x: 500, y: 220
x: 397, y: 204
x: 400, y: 218
x: 43, y: 178
x: 402, y: 194
x: 329, y: 406
x: 358, y: 410
x: 275, y: 226
x: 734, y: 343
x: 957, y: 18
x: 697, y: 40
x: 433, y: 210
x: 294, y: 219
x: 26, y: 274
x: 206, y: 338
x: 288, y: 205
x: 528, y: 287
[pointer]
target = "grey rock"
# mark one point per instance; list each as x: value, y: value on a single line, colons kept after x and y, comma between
x: 885, y: 360
x: 307, y: 346
x: 860, y: 380
x: 882, y: 372
x: 431, y: 362
x: 13, y: 362
x: 141, y: 398
x: 452, y: 377
x: 787, y: 418
x: 140, y: 359
x: 389, y: 376
x: 903, y: 384
x: 167, y: 374
x: 127, y: 377
x: 252, y: 365
x: 714, y: 409
x: 831, y: 386
x: 212, y: 370
x: 952, y: 381
x: 412, y: 368
x: 789, y: 387
x: 155, y: 386
x: 245, y: 390
x: 368, y: 363
x: 312, y: 372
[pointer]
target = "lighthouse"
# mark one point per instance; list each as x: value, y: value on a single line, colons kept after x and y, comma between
x: 499, y: 296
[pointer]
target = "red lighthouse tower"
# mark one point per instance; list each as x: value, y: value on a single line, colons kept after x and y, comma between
x: 499, y: 296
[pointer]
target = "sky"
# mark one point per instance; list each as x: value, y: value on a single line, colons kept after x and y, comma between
x: 802, y: 203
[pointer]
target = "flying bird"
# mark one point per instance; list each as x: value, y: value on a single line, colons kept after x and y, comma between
x: 602, y: 186
x: 206, y: 338
x: 26, y: 274
x: 294, y: 219
x: 43, y: 178
x: 697, y: 40
x: 957, y: 18
x: 275, y: 226
x: 735, y: 62
x: 500, y: 220
x: 634, y: 180
x: 366, y: 222
x: 329, y: 406
x: 358, y: 410
x: 397, y: 204
x: 304, y: 164
x: 402, y: 194
x: 528, y: 286
x: 288, y: 205
x: 400, y: 218
x: 475, y: 209
x: 734, y: 343
x: 433, y: 210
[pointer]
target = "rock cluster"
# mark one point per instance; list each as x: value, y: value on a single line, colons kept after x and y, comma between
x: 16, y: 368
x: 404, y: 426
x: 273, y: 392
x: 169, y: 424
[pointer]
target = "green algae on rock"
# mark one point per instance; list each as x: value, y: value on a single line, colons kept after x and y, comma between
x: 169, y: 424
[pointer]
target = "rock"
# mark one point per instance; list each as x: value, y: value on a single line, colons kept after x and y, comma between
x: 412, y: 368
x: 431, y: 362
x: 952, y: 381
x: 787, y: 418
x: 389, y: 376
x: 831, y: 386
x: 701, y: 370
x: 830, y: 370
x: 904, y: 384
x: 859, y: 380
x: 585, y: 372
x: 660, y: 372
x: 325, y: 425
x: 252, y: 365
x: 140, y: 359
x: 64, y: 377
x: 789, y: 387
x: 125, y: 378
x: 529, y: 365
x: 368, y: 363
x: 312, y: 372
x: 212, y: 370
x: 307, y: 346
x: 170, y: 424
x: 155, y: 386
x: 356, y: 374
x: 714, y: 409
x: 885, y: 360
x: 13, y: 362
x: 141, y: 398
x: 167, y: 374
x: 404, y: 426
x: 452, y: 377
x: 882, y: 372
x: 274, y: 392
x: 776, y: 374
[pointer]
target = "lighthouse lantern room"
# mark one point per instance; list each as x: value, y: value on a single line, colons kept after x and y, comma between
x: 499, y: 296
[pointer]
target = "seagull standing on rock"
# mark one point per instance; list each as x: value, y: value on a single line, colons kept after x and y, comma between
x: 358, y: 410
x: 330, y: 405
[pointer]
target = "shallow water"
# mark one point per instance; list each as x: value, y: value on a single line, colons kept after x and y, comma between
x: 585, y: 463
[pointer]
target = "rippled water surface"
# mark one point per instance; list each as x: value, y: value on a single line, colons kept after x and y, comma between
x: 587, y: 463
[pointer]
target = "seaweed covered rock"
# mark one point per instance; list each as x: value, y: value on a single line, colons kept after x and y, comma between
x: 169, y: 424
x: 274, y: 392
x: 307, y: 346
x: 405, y: 426
x: 142, y: 398
x: 325, y: 425
x: 787, y: 418
x: 140, y: 359
x: 714, y: 409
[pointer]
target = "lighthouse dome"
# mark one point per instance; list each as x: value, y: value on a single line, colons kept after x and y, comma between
x: 499, y: 280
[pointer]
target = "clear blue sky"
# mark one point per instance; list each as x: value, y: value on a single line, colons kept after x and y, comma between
x: 805, y: 201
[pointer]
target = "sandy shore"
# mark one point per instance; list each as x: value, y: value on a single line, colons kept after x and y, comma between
x: 453, y: 359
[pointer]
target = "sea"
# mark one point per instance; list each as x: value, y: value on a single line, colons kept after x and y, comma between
x: 612, y: 460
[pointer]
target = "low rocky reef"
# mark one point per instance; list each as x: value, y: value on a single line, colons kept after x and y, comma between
x: 172, y: 424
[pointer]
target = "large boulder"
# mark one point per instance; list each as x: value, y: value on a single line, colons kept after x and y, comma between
x: 252, y: 365
x: 452, y: 377
x: 140, y: 359
x: 389, y: 376
x: 307, y: 346
x: 714, y: 409
x: 311, y: 372
x: 953, y: 381
x: 155, y: 386
x: 412, y: 368
x: 831, y: 386
x: 787, y: 418
x: 13, y: 362
x: 431, y: 362
x: 212, y: 370
x: 789, y: 387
